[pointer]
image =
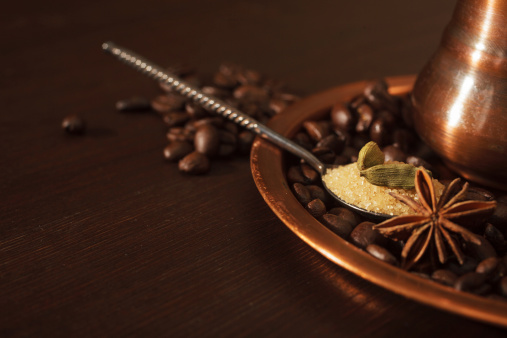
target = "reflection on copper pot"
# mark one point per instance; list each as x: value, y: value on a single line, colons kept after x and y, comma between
x: 460, y: 96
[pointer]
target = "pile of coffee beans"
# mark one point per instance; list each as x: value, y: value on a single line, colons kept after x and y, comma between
x: 195, y: 136
x: 386, y: 119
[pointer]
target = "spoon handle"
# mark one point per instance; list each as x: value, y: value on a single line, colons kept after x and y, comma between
x: 210, y: 103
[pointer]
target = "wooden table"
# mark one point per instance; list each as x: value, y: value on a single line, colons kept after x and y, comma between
x: 99, y: 236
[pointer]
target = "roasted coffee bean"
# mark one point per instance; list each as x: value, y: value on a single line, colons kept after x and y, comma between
x: 381, y: 253
x: 302, y: 193
x: 245, y: 140
x: 364, y: 235
x: 74, y: 125
x: 346, y: 215
x: 225, y: 80
x: 175, y: 118
x: 207, y: 140
x: 483, y: 250
x: 176, y: 150
x: 445, y: 277
x: 251, y: 94
x: 393, y: 153
x: 133, y: 104
x: 180, y: 134
x: 287, y: 97
x: 333, y: 142
x: 311, y: 176
x: 317, y: 192
x: 479, y: 194
x: 167, y: 102
x: 221, y: 93
x: 317, y: 130
x: 403, y: 139
x: 228, y: 143
x: 488, y: 266
x: 469, y: 265
x: 356, y: 102
x: 365, y: 118
x: 277, y: 105
x: 324, y: 154
x: 419, y: 162
x: 343, y: 118
x: 359, y: 141
x: 216, y: 121
x: 379, y: 98
x: 470, y: 282
x: 249, y: 77
x: 495, y: 237
x: 294, y: 175
x: 195, y: 111
x: 499, y: 217
x: 380, y: 131
x: 194, y: 163
x: 316, y: 207
x: 337, y: 225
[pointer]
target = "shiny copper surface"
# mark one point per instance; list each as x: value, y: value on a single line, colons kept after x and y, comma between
x: 461, y: 94
x: 267, y: 163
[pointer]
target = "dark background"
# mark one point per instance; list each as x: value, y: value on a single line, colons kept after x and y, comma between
x: 100, y: 237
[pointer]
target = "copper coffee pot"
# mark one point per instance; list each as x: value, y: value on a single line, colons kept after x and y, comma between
x: 460, y: 96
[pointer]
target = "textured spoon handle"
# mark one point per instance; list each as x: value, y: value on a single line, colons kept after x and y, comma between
x: 209, y: 102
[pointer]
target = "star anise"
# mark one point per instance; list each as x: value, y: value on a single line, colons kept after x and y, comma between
x: 434, y: 220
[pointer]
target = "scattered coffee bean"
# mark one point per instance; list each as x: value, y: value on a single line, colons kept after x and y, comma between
x: 194, y: 163
x: 342, y: 118
x: 317, y: 192
x: 134, y: 104
x: 302, y: 193
x: 167, y: 102
x: 316, y: 207
x: 74, y: 125
x: 381, y: 253
x: 470, y: 282
x: 346, y: 215
x: 364, y: 235
x: 317, y: 130
x: 337, y: 225
x: 393, y: 153
x: 365, y: 118
x: 445, y: 277
x: 176, y: 150
x: 310, y: 175
x: 207, y: 140
x: 488, y: 266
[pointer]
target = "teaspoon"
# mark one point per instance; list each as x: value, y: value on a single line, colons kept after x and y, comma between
x: 219, y: 107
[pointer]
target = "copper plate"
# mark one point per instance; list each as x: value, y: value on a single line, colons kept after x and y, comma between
x: 267, y: 164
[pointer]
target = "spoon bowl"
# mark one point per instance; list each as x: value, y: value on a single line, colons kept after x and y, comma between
x: 219, y: 107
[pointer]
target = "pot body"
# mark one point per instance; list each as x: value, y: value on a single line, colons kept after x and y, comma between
x: 460, y: 96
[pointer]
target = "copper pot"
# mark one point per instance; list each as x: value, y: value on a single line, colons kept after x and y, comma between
x: 460, y: 96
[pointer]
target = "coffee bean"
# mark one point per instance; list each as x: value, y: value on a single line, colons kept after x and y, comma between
x: 168, y: 102
x: 359, y: 141
x: 393, y: 153
x: 488, y: 266
x: 317, y: 192
x: 337, y: 225
x: 499, y: 217
x: 194, y: 163
x: 381, y: 253
x: 173, y: 119
x: 403, y: 139
x: 495, y: 237
x: 317, y: 130
x: 220, y: 93
x: 419, y: 162
x: 481, y: 251
x: 365, y: 118
x: 294, y: 175
x: 470, y: 281
x: 346, y: 215
x: 445, y: 277
x: 251, y: 94
x: 469, y: 265
x: 216, y: 121
x: 74, y: 125
x: 311, y: 176
x: 479, y: 194
x: 316, y: 207
x: 207, y: 140
x: 133, y: 104
x: 302, y: 193
x: 324, y: 154
x: 176, y: 150
x: 225, y: 80
x: 333, y: 142
x: 195, y: 111
x: 249, y: 77
x: 364, y: 235
x: 342, y: 118
x: 277, y: 105
x: 180, y: 134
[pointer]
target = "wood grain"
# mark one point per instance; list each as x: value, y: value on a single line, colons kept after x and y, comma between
x: 100, y: 237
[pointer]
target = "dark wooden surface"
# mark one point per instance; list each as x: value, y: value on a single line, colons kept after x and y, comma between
x: 100, y: 237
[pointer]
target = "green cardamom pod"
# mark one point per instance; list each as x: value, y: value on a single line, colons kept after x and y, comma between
x: 392, y: 175
x: 369, y: 156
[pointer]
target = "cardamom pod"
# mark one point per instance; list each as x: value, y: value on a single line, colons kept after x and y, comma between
x: 392, y: 175
x: 369, y: 156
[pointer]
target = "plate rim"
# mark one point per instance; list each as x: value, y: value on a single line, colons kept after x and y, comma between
x: 266, y: 163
